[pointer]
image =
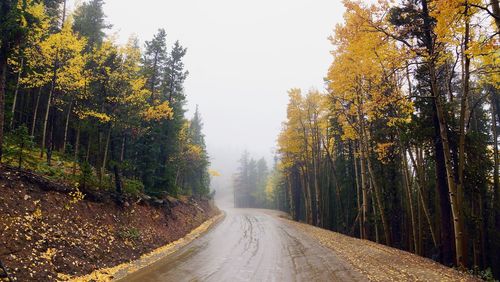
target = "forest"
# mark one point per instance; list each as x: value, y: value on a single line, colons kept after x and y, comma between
x: 402, y: 146
x: 78, y: 107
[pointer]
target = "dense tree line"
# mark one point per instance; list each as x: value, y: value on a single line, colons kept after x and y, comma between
x: 249, y: 183
x: 117, y: 112
x: 255, y: 185
x: 402, y: 148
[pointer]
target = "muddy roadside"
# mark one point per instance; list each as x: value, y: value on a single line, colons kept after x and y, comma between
x: 53, y: 232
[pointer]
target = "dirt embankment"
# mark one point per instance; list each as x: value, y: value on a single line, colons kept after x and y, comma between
x: 48, y: 232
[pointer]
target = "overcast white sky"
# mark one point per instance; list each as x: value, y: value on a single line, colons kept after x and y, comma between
x: 242, y: 57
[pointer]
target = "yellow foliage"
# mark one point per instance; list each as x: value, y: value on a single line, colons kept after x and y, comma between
x: 37, y: 214
x: 34, y: 61
x: 76, y: 196
x: 363, y: 79
x: 65, y: 49
x: 365, y: 83
x: 271, y: 184
x: 452, y: 17
x: 194, y: 151
x: 214, y: 173
x: 49, y: 254
x: 383, y: 151
x: 159, y: 112
x: 102, y: 117
x: 306, y: 126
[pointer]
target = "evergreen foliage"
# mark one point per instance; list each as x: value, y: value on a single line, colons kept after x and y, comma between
x: 115, y: 113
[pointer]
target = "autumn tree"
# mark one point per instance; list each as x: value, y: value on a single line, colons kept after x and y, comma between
x: 192, y: 175
x: 115, y: 113
x: 17, y: 18
x: 63, y: 57
x: 406, y: 140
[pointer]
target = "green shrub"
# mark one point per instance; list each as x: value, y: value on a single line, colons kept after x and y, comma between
x: 133, y: 187
x: 85, y: 174
x: 50, y: 172
x: 18, y: 147
x: 129, y: 233
x: 483, y: 274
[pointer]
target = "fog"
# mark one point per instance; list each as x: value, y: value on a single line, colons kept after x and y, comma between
x: 242, y: 58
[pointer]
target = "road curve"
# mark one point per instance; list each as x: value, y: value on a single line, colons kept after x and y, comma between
x: 251, y: 245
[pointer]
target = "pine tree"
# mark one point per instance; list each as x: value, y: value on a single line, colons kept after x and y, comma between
x: 154, y: 60
x: 89, y: 22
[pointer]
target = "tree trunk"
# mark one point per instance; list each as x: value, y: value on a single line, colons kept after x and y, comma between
x: 420, y: 185
x: 316, y: 194
x: 118, y: 181
x: 50, y: 143
x: 365, y: 193
x: 153, y: 78
x: 16, y: 91
x: 420, y: 228
x: 446, y: 235
x: 303, y: 185
x: 66, y: 126
x: 496, y: 184
x: 116, y: 170
x: 21, y: 149
x: 291, y: 204
x: 443, y: 131
x: 46, y: 119
x: 77, y: 147
x: 105, y: 157
x: 296, y: 192
x: 35, y: 111
x: 459, y: 219
x: 456, y: 209
x: 24, y: 102
x: 358, y: 196
x: 307, y: 196
x: 122, y: 151
x: 316, y: 146
x: 99, y: 152
x: 476, y: 238
x: 87, y: 155
x: 3, y: 78
x: 378, y: 197
x: 334, y: 176
x: 406, y: 178
x: 375, y: 215
x: 482, y: 232
x: 376, y: 187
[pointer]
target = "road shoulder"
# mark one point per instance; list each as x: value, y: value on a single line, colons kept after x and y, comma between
x: 119, y: 272
x: 379, y: 262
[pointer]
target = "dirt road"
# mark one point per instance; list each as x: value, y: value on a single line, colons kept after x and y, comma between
x: 260, y: 245
x: 251, y: 245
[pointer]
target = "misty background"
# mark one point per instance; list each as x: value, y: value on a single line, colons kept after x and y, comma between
x: 243, y: 57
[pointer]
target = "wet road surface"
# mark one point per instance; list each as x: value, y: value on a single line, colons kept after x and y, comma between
x: 251, y: 245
